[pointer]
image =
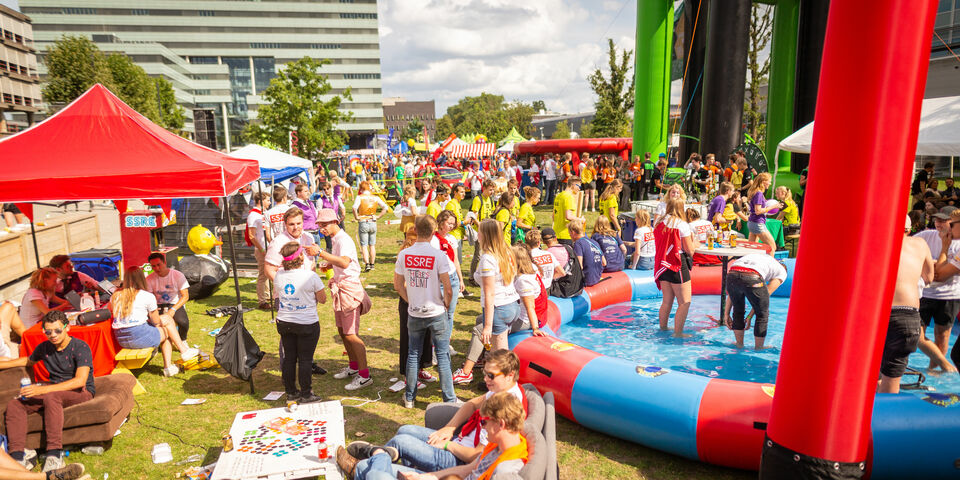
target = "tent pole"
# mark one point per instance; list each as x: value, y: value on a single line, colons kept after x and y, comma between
x: 233, y: 253
x: 36, y: 252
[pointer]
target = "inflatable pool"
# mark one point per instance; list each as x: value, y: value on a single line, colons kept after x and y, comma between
x: 714, y: 420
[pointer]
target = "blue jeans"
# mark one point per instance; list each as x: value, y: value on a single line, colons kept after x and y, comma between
x: 440, y: 331
x: 645, y: 263
x: 411, y: 442
x: 367, y: 231
x: 504, y: 316
x: 455, y: 285
x: 379, y: 467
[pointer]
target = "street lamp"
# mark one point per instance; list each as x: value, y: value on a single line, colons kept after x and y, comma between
x: 541, y: 133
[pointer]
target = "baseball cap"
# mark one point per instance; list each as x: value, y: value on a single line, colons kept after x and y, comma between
x: 663, y: 155
x: 548, y: 233
x: 944, y: 213
x: 326, y: 215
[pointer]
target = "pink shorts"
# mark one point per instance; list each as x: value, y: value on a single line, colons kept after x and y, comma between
x: 348, y: 322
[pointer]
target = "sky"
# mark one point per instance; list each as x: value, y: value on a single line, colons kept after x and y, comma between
x: 529, y: 50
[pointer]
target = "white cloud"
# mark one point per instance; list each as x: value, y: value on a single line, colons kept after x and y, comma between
x: 534, y: 50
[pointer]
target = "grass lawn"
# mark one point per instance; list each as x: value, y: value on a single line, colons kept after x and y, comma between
x: 159, y: 417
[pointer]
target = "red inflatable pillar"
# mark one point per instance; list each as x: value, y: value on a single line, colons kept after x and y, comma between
x: 868, y: 110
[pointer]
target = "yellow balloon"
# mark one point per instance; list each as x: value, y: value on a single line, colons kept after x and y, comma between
x: 410, y: 142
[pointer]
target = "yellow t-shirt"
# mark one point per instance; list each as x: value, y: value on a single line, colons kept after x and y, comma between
x: 483, y: 207
x: 587, y: 175
x: 506, y: 221
x: 611, y: 202
x: 526, y: 215
x: 434, y: 209
x: 454, y: 206
x: 791, y: 216
x: 564, y: 201
x: 515, y: 209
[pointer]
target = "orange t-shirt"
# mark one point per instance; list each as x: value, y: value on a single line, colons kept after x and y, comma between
x: 608, y: 174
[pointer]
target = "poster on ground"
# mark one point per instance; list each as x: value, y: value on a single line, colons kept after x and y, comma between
x: 278, y: 444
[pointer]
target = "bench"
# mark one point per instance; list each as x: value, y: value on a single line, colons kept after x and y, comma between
x: 792, y: 241
x: 130, y: 359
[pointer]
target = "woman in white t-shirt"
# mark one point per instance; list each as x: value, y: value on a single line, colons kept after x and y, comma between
x: 298, y: 323
x: 137, y: 323
x: 548, y: 264
x: 528, y: 284
x: 675, y: 191
x: 38, y: 299
x: 644, y: 246
x: 674, y: 253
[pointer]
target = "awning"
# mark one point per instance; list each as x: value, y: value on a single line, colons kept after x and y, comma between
x: 473, y: 150
x: 269, y: 158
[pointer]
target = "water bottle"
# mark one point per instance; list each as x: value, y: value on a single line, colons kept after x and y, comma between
x: 86, y: 303
x: 24, y: 382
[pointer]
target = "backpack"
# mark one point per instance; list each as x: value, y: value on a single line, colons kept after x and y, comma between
x: 571, y: 284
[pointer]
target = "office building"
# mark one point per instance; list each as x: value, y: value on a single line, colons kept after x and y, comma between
x: 19, y: 81
x: 397, y: 113
x: 220, y: 55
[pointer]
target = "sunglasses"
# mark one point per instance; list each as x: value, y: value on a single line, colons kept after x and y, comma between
x: 491, y: 376
x: 55, y: 331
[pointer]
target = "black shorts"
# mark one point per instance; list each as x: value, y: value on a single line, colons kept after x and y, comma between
x: 683, y: 276
x: 903, y: 336
x: 590, y: 185
x: 12, y: 208
x: 943, y: 312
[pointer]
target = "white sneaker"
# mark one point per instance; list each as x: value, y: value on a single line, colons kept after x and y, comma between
x: 29, y: 458
x: 359, y: 382
x: 170, y: 371
x: 346, y: 372
x: 53, y: 463
x: 452, y: 351
x: 189, y: 354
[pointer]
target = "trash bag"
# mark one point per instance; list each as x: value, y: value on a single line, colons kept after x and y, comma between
x: 235, y: 349
x: 204, y: 274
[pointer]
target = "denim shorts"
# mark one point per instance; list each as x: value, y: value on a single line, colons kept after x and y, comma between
x: 504, y: 316
x: 757, y: 228
x: 368, y: 232
x: 138, y: 336
x: 645, y: 263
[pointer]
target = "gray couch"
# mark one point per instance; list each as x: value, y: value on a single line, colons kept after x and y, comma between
x: 539, y: 428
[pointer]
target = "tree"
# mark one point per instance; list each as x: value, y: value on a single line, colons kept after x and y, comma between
x: 562, y: 130
x: 539, y: 106
x: 586, y: 131
x: 614, y: 95
x: 296, y: 102
x: 74, y: 64
x: 171, y: 114
x: 412, y: 131
x: 133, y: 86
x: 487, y: 114
x: 761, y: 28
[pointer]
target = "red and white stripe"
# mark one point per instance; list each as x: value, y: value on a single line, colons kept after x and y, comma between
x: 477, y: 150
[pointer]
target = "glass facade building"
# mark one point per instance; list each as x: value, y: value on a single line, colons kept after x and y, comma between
x: 221, y: 54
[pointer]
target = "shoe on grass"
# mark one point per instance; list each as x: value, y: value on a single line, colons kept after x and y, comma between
x: 346, y: 372
x: 309, y: 398
x: 363, y: 450
x: 53, y: 462
x: 461, y: 378
x: 317, y: 369
x: 73, y: 471
x: 426, y: 377
x: 29, y: 459
x: 189, y: 354
x: 359, y: 382
x: 346, y: 462
x: 170, y: 371
x: 408, y: 403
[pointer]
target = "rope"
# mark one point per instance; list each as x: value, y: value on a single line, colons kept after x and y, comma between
x: 363, y: 401
x: 683, y: 79
x: 945, y: 45
x: 683, y: 119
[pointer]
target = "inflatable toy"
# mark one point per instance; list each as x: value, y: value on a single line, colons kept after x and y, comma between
x: 204, y: 271
x: 709, y: 419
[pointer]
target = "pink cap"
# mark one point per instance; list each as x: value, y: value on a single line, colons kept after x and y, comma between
x: 326, y: 215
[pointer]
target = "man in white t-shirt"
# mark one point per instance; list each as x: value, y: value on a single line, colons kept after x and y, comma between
x: 258, y: 237
x: 293, y: 232
x: 275, y: 214
x: 170, y: 288
x: 940, y: 301
x: 752, y: 277
x: 350, y: 299
x: 422, y: 278
x: 550, y: 179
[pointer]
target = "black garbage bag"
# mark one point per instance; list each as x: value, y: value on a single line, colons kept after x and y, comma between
x: 235, y: 349
x: 204, y: 274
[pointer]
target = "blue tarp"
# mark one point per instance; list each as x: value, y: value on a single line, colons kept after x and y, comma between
x: 268, y: 175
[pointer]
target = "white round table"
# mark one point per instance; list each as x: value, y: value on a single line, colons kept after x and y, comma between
x: 725, y: 254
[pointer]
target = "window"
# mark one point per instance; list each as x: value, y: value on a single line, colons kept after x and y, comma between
x: 140, y: 11
x: 207, y: 13
x: 361, y: 76
x: 203, y: 60
x: 263, y: 71
x: 359, y: 15
x: 79, y: 11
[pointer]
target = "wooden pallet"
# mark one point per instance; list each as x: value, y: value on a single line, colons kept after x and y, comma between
x: 132, y: 359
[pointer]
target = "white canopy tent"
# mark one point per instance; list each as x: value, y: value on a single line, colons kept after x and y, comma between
x: 939, y: 131
x: 269, y: 158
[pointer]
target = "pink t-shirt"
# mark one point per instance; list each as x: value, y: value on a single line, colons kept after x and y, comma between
x: 274, y: 258
x: 560, y: 253
x: 167, y: 289
x: 343, y: 246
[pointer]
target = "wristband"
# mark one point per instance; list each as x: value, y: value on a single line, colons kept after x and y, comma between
x: 446, y: 444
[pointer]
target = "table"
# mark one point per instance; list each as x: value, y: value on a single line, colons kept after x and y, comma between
x: 279, y: 444
x: 99, y: 336
x: 651, y: 206
x: 774, y: 226
x: 725, y: 254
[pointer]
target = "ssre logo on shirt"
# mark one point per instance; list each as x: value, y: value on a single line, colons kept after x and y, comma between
x: 419, y: 261
x: 703, y: 229
x: 276, y: 217
x: 543, y: 260
x: 648, y: 236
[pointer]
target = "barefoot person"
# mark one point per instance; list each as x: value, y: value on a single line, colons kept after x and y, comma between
x: 752, y: 277
x: 672, y: 262
x: 903, y: 333
x: 350, y: 300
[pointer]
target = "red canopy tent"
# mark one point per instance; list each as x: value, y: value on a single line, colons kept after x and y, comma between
x: 97, y: 147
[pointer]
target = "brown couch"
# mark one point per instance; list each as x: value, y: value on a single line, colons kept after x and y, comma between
x: 88, y: 422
